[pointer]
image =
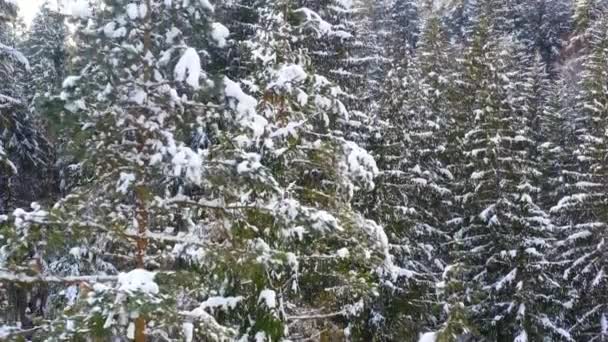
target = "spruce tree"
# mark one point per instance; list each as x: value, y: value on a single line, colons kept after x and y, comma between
x: 46, y: 52
x: 212, y: 208
x: 504, y: 234
x: 579, y: 213
x: 412, y: 198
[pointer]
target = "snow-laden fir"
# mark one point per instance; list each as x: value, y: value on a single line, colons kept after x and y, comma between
x: 290, y: 170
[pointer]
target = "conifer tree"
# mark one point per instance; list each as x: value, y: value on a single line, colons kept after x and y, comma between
x: 46, y: 52
x: 459, y: 16
x: 210, y: 212
x: 585, y: 13
x: 547, y: 25
x: 413, y: 198
x: 204, y: 173
x: 579, y: 213
x: 504, y: 233
x: 23, y: 143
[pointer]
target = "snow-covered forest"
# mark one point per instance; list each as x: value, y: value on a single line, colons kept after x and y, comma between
x: 304, y: 170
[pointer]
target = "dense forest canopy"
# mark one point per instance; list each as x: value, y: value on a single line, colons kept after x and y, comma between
x: 299, y: 170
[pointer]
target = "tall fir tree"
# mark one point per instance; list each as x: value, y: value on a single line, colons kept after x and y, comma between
x: 503, y: 234
x: 216, y: 214
x: 579, y: 213
x: 45, y: 48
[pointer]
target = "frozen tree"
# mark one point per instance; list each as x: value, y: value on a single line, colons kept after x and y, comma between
x: 257, y: 170
x: 214, y: 208
x: 579, y: 212
x: 45, y: 48
x: 504, y: 234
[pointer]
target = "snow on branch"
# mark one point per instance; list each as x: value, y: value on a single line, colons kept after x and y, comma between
x: 208, y: 321
x: 5, y: 275
x: 323, y: 27
x: 7, y: 332
x: 15, y: 55
x: 316, y: 316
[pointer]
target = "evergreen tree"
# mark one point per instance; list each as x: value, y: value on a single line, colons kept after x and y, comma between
x: 585, y: 14
x: 23, y: 143
x: 579, y: 212
x: 46, y: 52
x: 412, y: 199
x: 216, y: 214
x: 208, y: 175
x: 11, y: 59
x: 458, y: 16
x: 548, y: 25
x: 504, y: 234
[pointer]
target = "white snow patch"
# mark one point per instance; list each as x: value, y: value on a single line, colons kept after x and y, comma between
x: 245, y: 107
x: 219, y: 33
x: 260, y: 336
x: 287, y: 75
x: 132, y: 11
x: 138, y: 96
x: 360, y: 164
x: 246, y: 104
x: 188, y: 330
x: 291, y: 130
x: 322, y: 26
x: 70, y: 81
x: 188, y: 68
x: 125, y: 181
x: 207, y: 5
x: 509, y: 278
x: 76, y: 252
x: 250, y: 164
x: 478, y: 175
x: 269, y: 297
x: 24, y: 218
x: 138, y: 280
x: 343, y: 253
x: 171, y: 34
x: 6, y: 331
x: 131, y: 331
x: 428, y: 337
x: 223, y: 302
x: 598, y: 278
x: 579, y: 235
x: 302, y: 98
x: 108, y: 29
x: 521, y: 337
x: 81, y: 9
x: 185, y: 160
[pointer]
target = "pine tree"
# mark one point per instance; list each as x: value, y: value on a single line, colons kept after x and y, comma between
x: 579, y: 212
x: 412, y: 198
x: 548, y: 23
x: 343, y: 47
x: 24, y: 165
x: 585, y: 13
x: 46, y: 52
x: 25, y: 149
x: 11, y: 59
x: 459, y: 16
x: 555, y: 145
x: 208, y: 174
x: 504, y: 234
x: 217, y: 214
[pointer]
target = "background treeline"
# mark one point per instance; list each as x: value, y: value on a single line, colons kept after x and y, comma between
x: 256, y: 170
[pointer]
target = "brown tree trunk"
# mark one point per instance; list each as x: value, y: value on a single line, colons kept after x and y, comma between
x: 140, y: 329
x: 142, y: 245
x: 140, y: 191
